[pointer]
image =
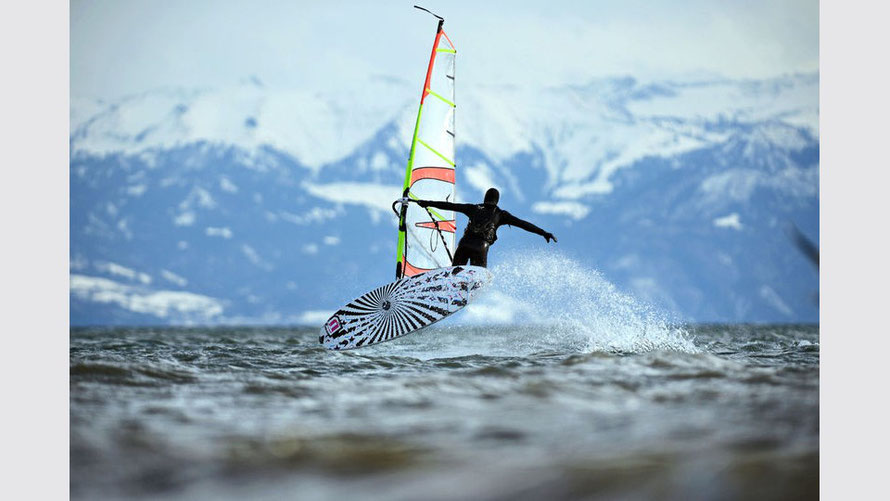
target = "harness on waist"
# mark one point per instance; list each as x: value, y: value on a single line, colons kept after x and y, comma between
x: 484, y: 226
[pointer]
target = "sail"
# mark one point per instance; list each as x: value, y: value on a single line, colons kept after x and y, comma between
x: 426, y: 236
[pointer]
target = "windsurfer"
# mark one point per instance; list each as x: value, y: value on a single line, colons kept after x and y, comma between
x: 481, y: 230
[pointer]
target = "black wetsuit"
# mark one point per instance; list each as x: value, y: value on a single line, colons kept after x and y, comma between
x: 481, y: 230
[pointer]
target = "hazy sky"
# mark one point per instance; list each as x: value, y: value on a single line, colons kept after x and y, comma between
x: 126, y: 46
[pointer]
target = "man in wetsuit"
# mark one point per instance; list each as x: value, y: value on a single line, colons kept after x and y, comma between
x: 481, y: 230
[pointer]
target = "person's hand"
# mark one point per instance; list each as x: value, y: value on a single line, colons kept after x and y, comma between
x: 548, y: 237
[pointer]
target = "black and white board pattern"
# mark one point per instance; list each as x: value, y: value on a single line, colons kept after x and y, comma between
x: 402, y: 307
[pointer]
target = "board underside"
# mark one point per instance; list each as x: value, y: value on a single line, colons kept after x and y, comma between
x: 402, y: 307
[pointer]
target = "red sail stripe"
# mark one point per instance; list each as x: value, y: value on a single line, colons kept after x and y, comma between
x: 449, y: 226
x: 440, y: 173
x: 410, y: 270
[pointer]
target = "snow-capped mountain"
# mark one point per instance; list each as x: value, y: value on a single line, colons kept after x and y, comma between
x: 249, y: 204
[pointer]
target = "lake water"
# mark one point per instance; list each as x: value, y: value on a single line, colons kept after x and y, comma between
x: 627, y: 409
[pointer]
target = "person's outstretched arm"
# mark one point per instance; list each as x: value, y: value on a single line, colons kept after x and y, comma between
x: 512, y: 220
x: 439, y: 204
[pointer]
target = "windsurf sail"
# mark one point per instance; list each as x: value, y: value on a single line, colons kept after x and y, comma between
x: 426, y: 236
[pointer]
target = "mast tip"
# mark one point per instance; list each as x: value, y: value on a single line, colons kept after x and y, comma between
x: 440, y: 18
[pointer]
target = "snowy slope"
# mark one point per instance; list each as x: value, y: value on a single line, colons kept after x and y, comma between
x: 271, y: 205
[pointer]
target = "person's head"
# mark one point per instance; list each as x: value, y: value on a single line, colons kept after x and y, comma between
x: 492, y: 196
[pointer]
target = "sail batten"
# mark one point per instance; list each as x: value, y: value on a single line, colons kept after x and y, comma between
x: 443, y: 157
x: 446, y: 101
x: 426, y: 236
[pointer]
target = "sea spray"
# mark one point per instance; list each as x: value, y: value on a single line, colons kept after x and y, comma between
x: 571, y: 306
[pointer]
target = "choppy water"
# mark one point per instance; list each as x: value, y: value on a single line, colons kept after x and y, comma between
x: 594, y: 396
x: 450, y: 413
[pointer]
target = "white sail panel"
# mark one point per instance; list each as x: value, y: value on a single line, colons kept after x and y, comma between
x: 426, y: 241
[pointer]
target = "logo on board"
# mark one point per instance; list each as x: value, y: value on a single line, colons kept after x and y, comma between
x: 333, y: 325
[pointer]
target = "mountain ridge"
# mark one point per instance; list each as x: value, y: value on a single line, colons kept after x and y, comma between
x: 253, y: 208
